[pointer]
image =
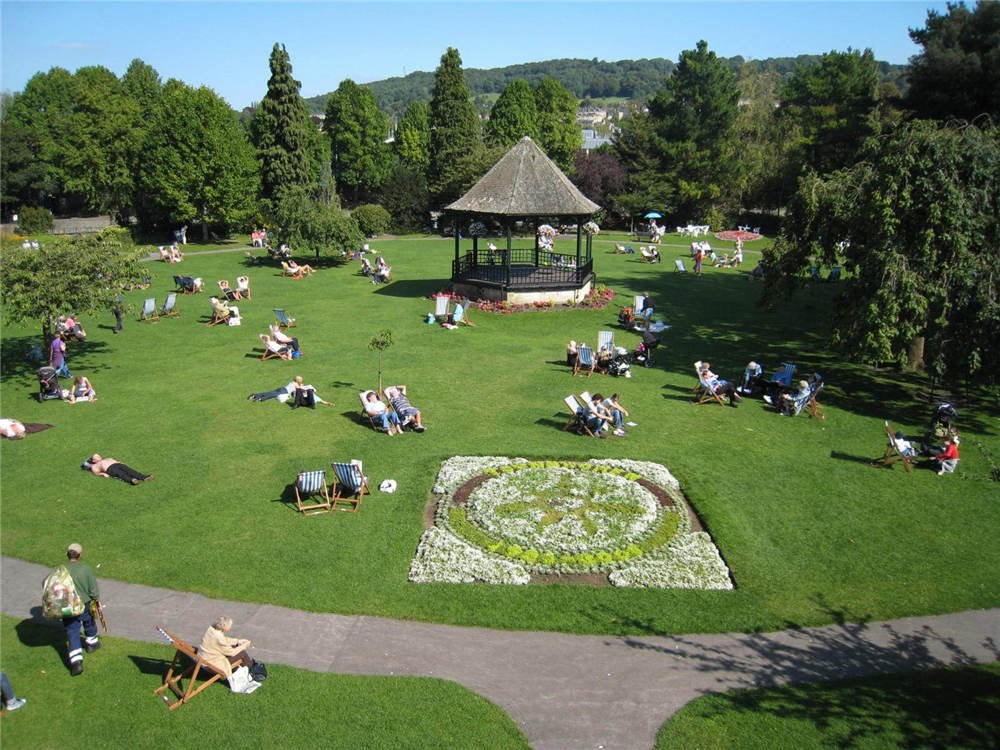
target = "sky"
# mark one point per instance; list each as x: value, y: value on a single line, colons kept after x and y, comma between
x: 226, y: 45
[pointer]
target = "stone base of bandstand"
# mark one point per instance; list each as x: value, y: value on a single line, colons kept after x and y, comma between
x: 519, y: 296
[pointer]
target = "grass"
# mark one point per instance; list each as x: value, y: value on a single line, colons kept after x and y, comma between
x: 948, y: 708
x: 113, y: 705
x: 809, y: 531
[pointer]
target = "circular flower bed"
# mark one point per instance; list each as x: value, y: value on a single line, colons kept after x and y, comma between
x: 500, y: 520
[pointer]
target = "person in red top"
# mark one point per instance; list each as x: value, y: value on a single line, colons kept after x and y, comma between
x: 947, y: 461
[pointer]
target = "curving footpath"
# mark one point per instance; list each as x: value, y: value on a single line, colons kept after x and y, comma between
x: 564, y: 691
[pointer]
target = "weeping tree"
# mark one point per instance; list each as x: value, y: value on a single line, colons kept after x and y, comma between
x: 914, y: 223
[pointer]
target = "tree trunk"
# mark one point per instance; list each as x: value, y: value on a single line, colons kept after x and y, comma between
x: 204, y: 223
x: 915, y: 356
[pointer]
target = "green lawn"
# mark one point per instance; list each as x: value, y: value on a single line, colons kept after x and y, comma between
x: 810, y: 532
x: 113, y: 705
x: 948, y: 708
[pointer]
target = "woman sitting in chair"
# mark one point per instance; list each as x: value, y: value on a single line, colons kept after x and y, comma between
x: 243, y: 287
x: 376, y: 409
x: 176, y: 256
x: 299, y: 271
x: 219, y: 650
x: 231, y: 294
x: 719, y: 386
x: 223, y: 312
x: 164, y: 253
x: 283, y: 338
x: 282, y: 350
x: 382, y: 273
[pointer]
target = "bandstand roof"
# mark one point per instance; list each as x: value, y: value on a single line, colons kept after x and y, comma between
x: 525, y: 182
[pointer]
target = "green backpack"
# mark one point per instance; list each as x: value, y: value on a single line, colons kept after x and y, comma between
x: 59, y: 597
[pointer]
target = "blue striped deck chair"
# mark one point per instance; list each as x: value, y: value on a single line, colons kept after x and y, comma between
x: 169, y: 308
x: 585, y: 361
x: 312, y: 485
x: 809, y: 402
x: 284, y: 321
x: 148, y: 313
x: 349, y: 486
x: 783, y: 375
x: 441, y: 308
x: 606, y: 341
x: 460, y: 316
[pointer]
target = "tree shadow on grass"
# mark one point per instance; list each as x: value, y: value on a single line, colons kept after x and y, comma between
x: 938, y: 709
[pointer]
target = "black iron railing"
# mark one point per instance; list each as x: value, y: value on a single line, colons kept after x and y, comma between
x: 528, y: 268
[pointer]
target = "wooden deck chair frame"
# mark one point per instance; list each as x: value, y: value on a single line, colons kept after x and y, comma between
x: 216, y: 318
x: 892, y: 454
x: 812, y: 405
x: 354, y: 494
x: 176, y: 674
x: 441, y: 308
x: 582, y: 353
x: 313, y: 509
x: 268, y: 354
x: 149, y: 314
x: 707, y: 394
x: 169, y: 308
x: 576, y: 419
x: 284, y: 319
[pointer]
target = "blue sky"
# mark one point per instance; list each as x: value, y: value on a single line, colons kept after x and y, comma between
x: 225, y: 45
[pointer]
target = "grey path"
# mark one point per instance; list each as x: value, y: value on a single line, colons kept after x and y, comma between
x: 565, y: 691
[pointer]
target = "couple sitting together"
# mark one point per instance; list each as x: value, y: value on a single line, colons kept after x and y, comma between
x: 604, y: 412
x: 280, y: 343
x: 401, y: 414
x: 296, y: 391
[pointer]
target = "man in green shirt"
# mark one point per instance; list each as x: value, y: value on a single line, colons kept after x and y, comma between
x: 86, y: 587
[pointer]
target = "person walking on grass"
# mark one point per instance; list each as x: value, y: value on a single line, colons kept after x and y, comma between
x: 85, y: 583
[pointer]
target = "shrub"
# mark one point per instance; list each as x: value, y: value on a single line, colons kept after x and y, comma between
x: 372, y: 219
x: 34, y: 220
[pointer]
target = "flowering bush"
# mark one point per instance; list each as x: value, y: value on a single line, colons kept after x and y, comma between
x: 498, y: 519
x: 546, y: 230
x: 591, y: 228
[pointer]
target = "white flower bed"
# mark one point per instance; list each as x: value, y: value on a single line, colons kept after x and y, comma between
x: 690, y: 561
x: 557, y: 517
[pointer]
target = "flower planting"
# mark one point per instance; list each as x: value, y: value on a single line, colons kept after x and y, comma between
x: 502, y: 520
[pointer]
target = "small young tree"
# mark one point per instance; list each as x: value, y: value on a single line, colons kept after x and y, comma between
x: 379, y: 343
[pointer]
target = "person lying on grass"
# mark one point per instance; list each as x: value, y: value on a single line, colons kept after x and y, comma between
x: 406, y: 411
x: 305, y: 395
x: 112, y: 467
x: 303, y: 270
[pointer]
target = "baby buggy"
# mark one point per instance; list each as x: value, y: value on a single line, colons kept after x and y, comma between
x: 942, y: 426
x: 644, y: 351
x: 48, y: 384
x: 620, y: 365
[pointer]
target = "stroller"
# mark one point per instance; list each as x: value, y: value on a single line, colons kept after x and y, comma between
x: 644, y: 351
x: 626, y: 317
x: 620, y: 365
x: 48, y: 384
x: 942, y: 426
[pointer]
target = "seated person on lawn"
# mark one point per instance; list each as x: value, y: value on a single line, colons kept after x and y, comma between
x: 303, y: 270
x: 282, y: 350
x: 786, y: 401
x: 598, y: 416
x: 283, y: 338
x: 719, y: 386
x: 378, y: 410
x: 405, y: 410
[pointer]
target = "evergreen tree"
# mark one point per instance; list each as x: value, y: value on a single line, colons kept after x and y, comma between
x: 197, y: 164
x: 413, y: 137
x: 513, y: 116
x: 558, y: 134
x: 957, y: 75
x: 633, y: 145
x: 694, y: 138
x: 283, y: 133
x: 455, y: 130
x: 357, y: 129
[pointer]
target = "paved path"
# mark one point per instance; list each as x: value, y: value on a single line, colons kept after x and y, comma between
x: 565, y: 691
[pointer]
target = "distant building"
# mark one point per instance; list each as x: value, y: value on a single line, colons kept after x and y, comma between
x: 592, y: 140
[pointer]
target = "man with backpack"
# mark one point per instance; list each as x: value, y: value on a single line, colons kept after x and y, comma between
x: 86, y: 588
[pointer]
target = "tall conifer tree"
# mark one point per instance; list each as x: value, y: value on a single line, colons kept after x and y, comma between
x: 455, y: 130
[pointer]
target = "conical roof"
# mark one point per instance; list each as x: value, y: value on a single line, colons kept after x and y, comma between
x: 525, y: 182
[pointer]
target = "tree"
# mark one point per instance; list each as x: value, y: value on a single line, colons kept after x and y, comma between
x: 413, y: 137
x: 197, y: 163
x: 313, y: 225
x: 357, y: 129
x: 599, y: 175
x: 957, y: 73
x: 915, y: 213
x: 513, y: 116
x: 379, y: 343
x: 836, y: 106
x: 282, y: 132
x: 372, y: 219
x: 694, y: 137
x: 142, y: 84
x: 454, y: 129
x: 633, y: 145
x: 82, y: 274
x: 558, y: 134
x: 405, y: 196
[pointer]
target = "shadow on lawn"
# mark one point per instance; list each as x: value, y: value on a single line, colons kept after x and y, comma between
x: 80, y: 355
x: 38, y: 632
x: 936, y: 709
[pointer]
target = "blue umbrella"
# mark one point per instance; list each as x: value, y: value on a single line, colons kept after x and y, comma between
x: 653, y: 215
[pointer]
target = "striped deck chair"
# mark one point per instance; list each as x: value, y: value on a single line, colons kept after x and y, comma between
x: 585, y: 361
x: 312, y: 485
x: 169, y: 310
x: 679, y: 266
x: 606, y: 342
x: 148, y: 314
x: 577, y: 420
x: 282, y: 317
x: 349, y: 486
x: 460, y: 315
x: 441, y: 308
x: 809, y: 402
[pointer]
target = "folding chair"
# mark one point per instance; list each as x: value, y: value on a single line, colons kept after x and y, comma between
x: 814, y: 273
x: 784, y: 375
x: 175, y: 676
x: 460, y: 315
x: 809, y: 401
x: 217, y: 317
x: 312, y: 484
x: 168, y: 308
x: 148, y: 314
x: 892, y: 454
x: 283, y: 320
x: 707, y: 392
x: 243, y: 286
x: 605, y: 342
x: 286, y: 271
x: 585, y: 361
x: 269, y: 353
x: 679, y: 266
x: 441, y: 308
x: 349, y: 485
x: 577, y: 420
x: 375, y: 423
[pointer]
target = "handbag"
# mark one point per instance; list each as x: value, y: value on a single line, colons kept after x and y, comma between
x: 258, y: 671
